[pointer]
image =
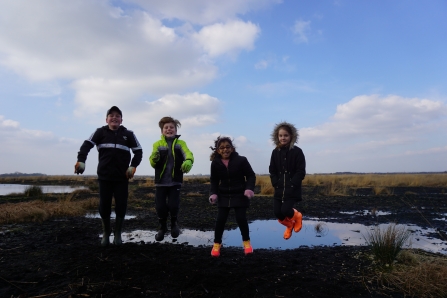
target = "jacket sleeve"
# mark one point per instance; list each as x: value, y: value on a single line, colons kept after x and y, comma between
x: 214, y: 179
x: 187, y: 154
x: 87, y: 145
x: 154, y: 164
x: 136, y: 149
x: 249, y: 174
x: 272, y: 169
x: 300, y: 166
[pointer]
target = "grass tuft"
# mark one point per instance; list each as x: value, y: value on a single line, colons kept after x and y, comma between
x: 386, y: 243
x: 33, y: 191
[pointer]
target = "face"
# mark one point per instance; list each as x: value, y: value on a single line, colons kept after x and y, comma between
x: 169, y: 130
x: 114, y: 120
x: 283, y: 137
x: 225, y: 150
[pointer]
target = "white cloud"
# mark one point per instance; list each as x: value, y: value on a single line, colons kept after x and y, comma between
x: 301, y: 29
x: 203, y: 11
x: 230, y: 37
x: 379, y: 134
x: 262, y: 64
x: 379, y: 117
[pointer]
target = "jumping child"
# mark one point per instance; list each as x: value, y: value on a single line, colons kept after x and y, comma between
x: 232, y: 184
x: 287, y: 170
x: 170, y: 158
x: 114, y: 143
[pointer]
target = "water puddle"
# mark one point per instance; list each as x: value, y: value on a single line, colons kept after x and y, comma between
x: 367, y: 212
x: 268, y: 234
x: 113, y: 215
x: 6, y: 189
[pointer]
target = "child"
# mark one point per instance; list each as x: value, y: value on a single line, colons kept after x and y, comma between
x: 170, y: 158
x: 114, y: 143
x: 287, y: 170
x: 232, y: 185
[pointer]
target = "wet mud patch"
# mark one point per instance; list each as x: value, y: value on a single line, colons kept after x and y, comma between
x: 62, y: 257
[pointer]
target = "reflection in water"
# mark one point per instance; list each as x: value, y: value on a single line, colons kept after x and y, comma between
x: 113, y: 215
x: 268, y: 234
x: 6, y: 189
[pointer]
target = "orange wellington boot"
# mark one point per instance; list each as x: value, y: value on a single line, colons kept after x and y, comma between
x: 289, y: 227
x: 215, y: 252
x: 248, y: 249
x: 297, y: 221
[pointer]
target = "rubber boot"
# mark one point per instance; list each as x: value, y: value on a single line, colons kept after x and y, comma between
x: 289, y: 227
x: 175, y: 231
x: 248, y: 249
x: 105, y: 231
x: 118, y: 227
x: 163, y: 229
x: 297, y: 221
x: 215, y: 251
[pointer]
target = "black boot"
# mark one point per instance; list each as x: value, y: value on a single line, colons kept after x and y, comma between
x: 118, y: 227
x: 105, y: 231
x: 163, y: 229
x: 175, y: 231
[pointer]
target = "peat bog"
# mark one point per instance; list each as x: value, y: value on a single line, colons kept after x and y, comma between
x: 61, y: 257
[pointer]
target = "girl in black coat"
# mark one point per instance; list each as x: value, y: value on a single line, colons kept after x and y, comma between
x: 232, y: 184
x: 287, y: 170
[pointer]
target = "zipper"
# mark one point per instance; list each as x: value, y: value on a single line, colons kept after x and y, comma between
x: 228, y: 172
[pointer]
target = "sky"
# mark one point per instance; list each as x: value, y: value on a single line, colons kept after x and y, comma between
x: 365, y: 82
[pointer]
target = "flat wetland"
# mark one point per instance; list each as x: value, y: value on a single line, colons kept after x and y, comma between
x: 49, y: 248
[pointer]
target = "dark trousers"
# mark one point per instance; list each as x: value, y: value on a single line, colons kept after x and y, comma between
x: 109, y: 189
x: 167, y: 200
x: 241, y: 219
x: 283, y: 209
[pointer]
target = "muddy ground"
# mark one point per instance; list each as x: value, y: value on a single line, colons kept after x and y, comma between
x: 62, y: 257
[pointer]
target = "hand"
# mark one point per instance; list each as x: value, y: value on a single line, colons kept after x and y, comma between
x: 156, y: 156
x: 186, y: 166
x: 213, y: 199
x: 130, y: 172
x: 79, y: 168
x: 249, y: 193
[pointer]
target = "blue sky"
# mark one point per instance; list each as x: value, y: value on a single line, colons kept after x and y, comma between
x: 364, y: 81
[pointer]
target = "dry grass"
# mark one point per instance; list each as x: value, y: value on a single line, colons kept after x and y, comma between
x: 38, y: 211
x: 341, y: 185
x: 418, y: 275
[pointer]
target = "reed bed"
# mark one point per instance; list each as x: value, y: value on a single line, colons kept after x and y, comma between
x: 38, y: 210
x: 345, y: 184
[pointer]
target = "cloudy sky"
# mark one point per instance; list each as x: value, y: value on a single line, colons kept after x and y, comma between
x: 364, y: 81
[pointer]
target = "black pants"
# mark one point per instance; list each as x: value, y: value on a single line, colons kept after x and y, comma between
x: 167, y: 200
x: 241, y: 219
x: 283, y: 209
x: 109, y: 189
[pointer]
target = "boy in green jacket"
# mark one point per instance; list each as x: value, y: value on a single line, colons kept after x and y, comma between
x: 170, y: 158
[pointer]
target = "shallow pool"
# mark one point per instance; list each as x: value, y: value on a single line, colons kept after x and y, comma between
x: 6, y: 189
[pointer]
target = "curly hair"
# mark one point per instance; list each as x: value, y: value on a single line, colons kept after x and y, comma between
x: 169, y: 119
x: 217, y: 142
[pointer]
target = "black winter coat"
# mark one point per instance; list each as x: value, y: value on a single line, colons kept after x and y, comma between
x: 287, y: 170
x: 114, y: 148
x: 230, y: 183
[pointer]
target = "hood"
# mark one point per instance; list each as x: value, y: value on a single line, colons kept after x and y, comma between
x: 274, y: 134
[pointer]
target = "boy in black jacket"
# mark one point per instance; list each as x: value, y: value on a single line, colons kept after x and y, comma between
x: 114, y: 143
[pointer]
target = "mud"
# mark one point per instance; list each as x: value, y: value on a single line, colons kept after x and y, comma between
x: 62, y: 257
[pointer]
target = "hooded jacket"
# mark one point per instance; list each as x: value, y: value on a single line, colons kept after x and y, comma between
x: 287, y: 166
x: 180, y: 153
x: 114, y: 148
x: 230, y: 183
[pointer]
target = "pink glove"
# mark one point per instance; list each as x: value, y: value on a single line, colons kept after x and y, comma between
x: 249, y: 193
x: 213, y: 199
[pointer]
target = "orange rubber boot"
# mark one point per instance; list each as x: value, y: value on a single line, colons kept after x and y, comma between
x: 289, y: 227
x: 297, y: 221
x: 215, y: 252
x: 248, y: 249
